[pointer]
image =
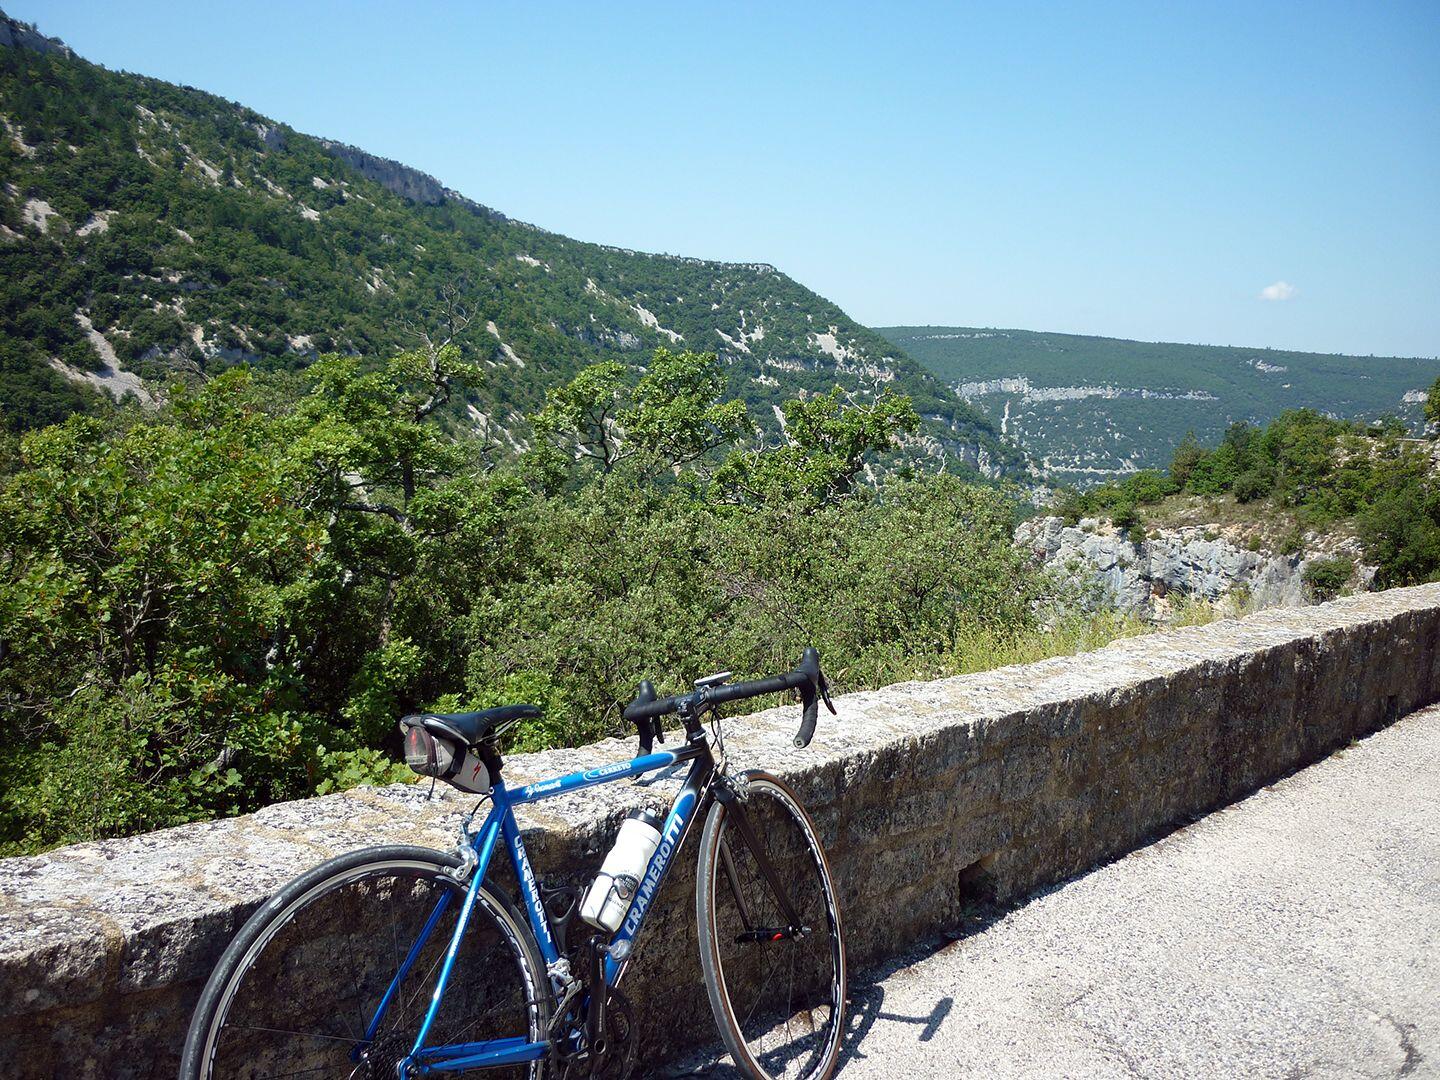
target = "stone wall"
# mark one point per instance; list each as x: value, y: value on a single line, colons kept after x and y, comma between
x: 932, y: 797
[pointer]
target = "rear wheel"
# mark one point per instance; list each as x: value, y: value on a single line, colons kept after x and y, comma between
x: 309, y: 986
x: 778, y: 995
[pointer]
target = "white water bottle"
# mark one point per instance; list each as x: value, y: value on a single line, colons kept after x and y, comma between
x: 614, y: 887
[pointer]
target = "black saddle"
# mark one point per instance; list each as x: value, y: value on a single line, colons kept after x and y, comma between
x: 473, y: 727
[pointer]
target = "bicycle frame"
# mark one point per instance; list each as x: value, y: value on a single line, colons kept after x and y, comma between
x: 500, y: 825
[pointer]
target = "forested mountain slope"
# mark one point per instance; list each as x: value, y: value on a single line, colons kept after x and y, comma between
x: 147, y: 228
x: 1085, y: 407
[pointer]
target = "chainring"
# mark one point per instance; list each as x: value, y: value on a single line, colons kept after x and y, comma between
x: 621, y: 1049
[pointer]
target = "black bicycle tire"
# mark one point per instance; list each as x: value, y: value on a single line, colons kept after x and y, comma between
x: 193, y: 1063
x: 710, y: 965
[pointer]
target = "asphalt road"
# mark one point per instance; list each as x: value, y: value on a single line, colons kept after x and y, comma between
x: 1294, y: 934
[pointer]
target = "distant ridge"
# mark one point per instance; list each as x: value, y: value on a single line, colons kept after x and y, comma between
x: 1086, y: 408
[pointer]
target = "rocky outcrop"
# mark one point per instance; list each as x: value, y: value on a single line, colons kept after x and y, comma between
x: 18, y: 35
x: 929, y: 797
x: 1141, y: 577
x: 404, y: 181
x: 401, y: 179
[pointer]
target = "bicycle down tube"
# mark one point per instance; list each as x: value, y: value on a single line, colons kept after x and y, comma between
x: 500, y: 824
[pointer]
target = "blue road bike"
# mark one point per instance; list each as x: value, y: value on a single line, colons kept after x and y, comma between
x: 400, y: 961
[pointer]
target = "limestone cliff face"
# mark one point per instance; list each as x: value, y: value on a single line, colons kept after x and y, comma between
x: 404, y: 181
x: 1204, y: 562
x: 17, y: 35
x: 408, y: 183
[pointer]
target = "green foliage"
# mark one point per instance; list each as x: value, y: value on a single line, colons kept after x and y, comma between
x: 674, y: 414
x: 150, y: 573
x: 1125, y: 516
x: 1432, y: 409
x: 1187, y: 456
x: 1326, y: 577
x: 1252, y: 484
x: 1118, y: 501
x: 1148, y: 487
x: 233, y: 600
x: 827, y: 444
x: 1401, y: 531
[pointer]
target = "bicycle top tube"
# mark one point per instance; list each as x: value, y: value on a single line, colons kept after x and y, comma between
x: 604, y: 774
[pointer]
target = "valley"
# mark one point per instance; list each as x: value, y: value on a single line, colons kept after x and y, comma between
x: 1088, y: 408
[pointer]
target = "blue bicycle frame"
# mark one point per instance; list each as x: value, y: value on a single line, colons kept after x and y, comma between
x: 500, y: 825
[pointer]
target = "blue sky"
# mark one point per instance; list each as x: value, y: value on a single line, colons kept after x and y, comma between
x: 1141, y: 170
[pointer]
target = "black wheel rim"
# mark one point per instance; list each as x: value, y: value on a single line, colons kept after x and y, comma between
x: 783, y: 989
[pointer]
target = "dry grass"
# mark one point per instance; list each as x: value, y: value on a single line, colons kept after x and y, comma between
x: 1263, y: 524
x: 1069, y: 633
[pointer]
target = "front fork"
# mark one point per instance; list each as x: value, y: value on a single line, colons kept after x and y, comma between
x: 734, y: 793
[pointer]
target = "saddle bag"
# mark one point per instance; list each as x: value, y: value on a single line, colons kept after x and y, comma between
x: 441, y: 755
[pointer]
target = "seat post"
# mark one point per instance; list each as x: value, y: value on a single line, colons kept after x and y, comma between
x: 490, y: 755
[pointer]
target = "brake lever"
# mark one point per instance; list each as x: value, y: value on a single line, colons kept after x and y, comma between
x: 825, y: 694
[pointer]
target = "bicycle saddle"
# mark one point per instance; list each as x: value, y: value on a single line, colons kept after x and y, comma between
x: 473, y: 727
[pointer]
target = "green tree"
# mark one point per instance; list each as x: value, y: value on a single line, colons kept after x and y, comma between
x: 675, y: 413
x: 828, y: 442
x: 148, y: 581
x: 1184, y: 460
x: 1401, y: 532
x: 583, y: 416
x: 679, y: 413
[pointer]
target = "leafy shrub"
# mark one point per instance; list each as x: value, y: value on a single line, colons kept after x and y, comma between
x: 1125, y: 516
x: 1401, y: 533
x: 1148, y: 486
x: 1326, y: 577
x: 1184, y: 460
x: 1252, y: 484
x: 1292, y: 543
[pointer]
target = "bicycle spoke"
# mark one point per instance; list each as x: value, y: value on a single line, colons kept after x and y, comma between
x: 290, y: 1031
x: 335, y: 957
x: 779, y: 1014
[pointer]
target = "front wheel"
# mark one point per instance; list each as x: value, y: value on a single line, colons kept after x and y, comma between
x: 777, y: 987
x: 333, y: 975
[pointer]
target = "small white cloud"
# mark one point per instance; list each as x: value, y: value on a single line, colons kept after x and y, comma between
x: 1281, y: 290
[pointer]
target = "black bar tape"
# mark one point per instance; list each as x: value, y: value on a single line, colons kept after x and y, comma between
x: 650, y: 709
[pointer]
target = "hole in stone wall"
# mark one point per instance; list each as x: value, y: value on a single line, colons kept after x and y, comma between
x: 1392, y: 709
x: 976, y: 886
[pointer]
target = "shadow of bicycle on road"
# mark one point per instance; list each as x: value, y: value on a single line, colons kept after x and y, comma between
x: 865, y: 1008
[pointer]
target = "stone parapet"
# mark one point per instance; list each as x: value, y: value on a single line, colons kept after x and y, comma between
x: 932, y: 799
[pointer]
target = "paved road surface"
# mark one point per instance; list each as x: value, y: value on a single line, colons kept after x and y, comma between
x: 1294, y: 934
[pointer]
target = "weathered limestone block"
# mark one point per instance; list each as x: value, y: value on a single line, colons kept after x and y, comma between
x: 930, y: 798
